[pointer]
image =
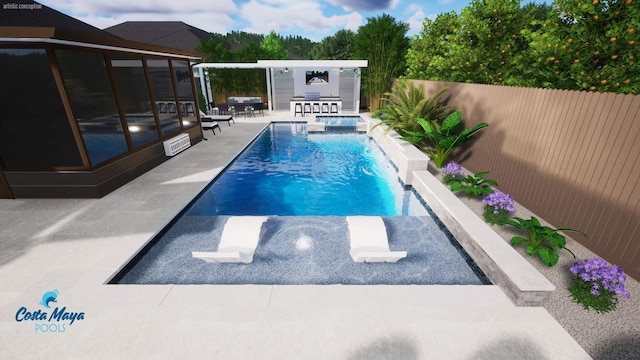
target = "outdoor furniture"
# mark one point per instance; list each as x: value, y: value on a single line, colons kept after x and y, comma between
x: 217, y: 118
x: 209, y: 125
x: 238, y: 243
x: 315, y: 108
x: 369, y: 242
x: 306, y: 109
x: 223, y: 109
x: 334, y: 108
x: 259, y: 107
x: 298, y: 109
x: 249, y: 111
x: 325, y: 108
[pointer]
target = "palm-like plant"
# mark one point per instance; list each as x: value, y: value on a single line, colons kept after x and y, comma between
x: 405, y: 103
x: 441, y: 139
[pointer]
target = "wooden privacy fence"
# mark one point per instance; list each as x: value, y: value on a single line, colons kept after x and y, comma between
x: 571, y: 157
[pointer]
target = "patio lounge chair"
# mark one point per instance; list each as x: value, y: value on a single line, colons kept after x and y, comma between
x: 369, y: 242
x: 227, y: 118
x: 240, y: 238
x: 209, y: 125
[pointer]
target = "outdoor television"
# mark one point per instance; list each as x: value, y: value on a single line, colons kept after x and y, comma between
x: 317, y: 77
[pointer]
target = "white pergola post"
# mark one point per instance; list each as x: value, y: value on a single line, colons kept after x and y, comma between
x: 269, y: 89
x: 358, y: 83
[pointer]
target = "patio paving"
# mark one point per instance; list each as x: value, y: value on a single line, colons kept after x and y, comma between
x: 76, y: 245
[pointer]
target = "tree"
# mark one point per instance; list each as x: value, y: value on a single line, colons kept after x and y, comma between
x: 299, y: 46
x: 216, y: 50
x: 430, y: 53
x: 575, y: 45
x: 591, y: 46
x: 336, y: 47
x: 383, y: 42
x: 482, y: 45
x: 273, y: 47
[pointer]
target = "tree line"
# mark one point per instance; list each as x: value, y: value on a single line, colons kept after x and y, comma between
x: 572, y: 44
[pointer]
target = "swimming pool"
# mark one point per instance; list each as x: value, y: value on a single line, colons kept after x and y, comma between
x: 288, y: 171
x: 340, y: 120
x: 434, y: 256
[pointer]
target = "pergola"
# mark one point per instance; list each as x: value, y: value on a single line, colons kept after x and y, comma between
x: 271, y: 66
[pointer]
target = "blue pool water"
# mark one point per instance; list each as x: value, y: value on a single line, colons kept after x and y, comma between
x: 287, y: 171
x: 434, y: 255
x: 340, y: 120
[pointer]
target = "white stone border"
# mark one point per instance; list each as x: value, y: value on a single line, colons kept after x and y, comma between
x: 404, y: 155
x: 519, y: 280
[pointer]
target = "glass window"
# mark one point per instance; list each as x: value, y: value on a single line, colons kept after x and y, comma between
x: 162, y: 88
x: 91, y: 97
x: 185, y: 92
x: 34, y: 129
x: 134, y: 97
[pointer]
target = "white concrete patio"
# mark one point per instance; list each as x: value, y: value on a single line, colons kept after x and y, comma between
x: 76, y: 245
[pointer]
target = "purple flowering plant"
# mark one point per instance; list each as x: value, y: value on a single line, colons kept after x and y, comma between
x: 452, y: 172
x: 498, y: 207
x: 597, y: 285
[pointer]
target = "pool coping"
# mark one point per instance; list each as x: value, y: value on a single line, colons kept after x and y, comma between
x: 504, y: 266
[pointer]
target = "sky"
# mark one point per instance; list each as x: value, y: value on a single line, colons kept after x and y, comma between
x: 313, y: 19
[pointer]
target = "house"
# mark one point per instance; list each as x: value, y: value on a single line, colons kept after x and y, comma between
x: 174, y: 34
x: 85, y: 111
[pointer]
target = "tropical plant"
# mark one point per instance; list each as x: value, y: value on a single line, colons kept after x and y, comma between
x: 405, y: 103
x: 498, y: 207
x: 383, y: 42
x: 597, y: 285
x: 474, y: 184
x: 542, y: 240
x: 442, y: 139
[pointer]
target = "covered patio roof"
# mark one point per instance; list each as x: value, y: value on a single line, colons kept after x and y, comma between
x: 270, y: 65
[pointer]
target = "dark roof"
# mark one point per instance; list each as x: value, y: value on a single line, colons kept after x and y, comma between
x: 175, y: 34
x: 43, y: 16
x: 42, y: 22
x: 16, y: 35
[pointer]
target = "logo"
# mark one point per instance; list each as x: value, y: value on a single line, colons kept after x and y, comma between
x: 45, y: 322
x: 49, y: 297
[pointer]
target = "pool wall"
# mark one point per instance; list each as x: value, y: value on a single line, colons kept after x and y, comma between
x: 504, y: 266
x: 405, y: 156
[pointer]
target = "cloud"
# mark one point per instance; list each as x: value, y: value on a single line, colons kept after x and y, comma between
x: 200, y: 13
x: 416, y: 17
x: 299, y: 17
x: 365, y: 5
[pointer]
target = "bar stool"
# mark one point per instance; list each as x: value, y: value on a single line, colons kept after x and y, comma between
x: 298, y: 110
x: 334, y: 108
x: 189, y: 109
x: 316, y: 108
x: 307, y: 109
x: 325, y: 108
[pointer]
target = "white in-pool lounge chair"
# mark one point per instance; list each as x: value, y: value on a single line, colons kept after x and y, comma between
x: 238, y: 243
x: 369, y: 242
